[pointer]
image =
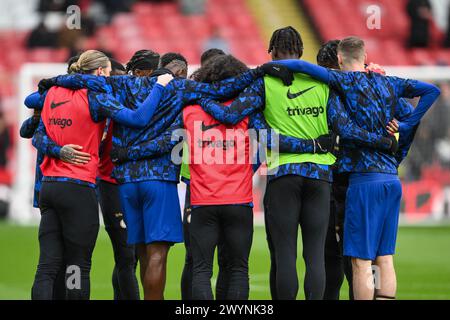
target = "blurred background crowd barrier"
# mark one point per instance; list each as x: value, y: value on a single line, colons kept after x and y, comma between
x: 409, y: 37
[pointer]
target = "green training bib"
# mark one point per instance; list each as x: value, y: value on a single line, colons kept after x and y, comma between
x: 185, y: 172
x: 298, y: 111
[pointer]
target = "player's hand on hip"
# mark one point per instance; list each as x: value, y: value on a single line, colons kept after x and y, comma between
x: 164, y: 79
x: 393, y: 127
x: 71, y: 153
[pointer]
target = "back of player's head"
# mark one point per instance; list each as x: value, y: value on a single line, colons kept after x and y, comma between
x: 176, y: 63
x: 219, y: 68
x: 90, y: 61
x: 143, y: 62
x: 117, y: 69
x: 286, y: 42
x: 351, y: 50
x: 327, y: 56
x: 70, y: 61
x: 171, y: 56
x: 210, y: 53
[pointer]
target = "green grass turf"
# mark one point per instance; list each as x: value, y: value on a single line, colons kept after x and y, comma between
x: 422, y: 263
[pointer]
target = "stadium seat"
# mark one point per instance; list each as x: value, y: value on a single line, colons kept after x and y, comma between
x: 422, y: 57
x: 418, y: 196
x: 47, y: 55
x: 442, y: 56
x: 231, y: 18
x: 335, y: 19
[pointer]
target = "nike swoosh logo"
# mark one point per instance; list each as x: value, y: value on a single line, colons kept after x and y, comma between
x: 297, y: 94
x: 54, y: 105
x: 206, y: 128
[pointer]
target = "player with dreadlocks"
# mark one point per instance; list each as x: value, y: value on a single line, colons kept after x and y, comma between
x: 143, y: 63
x: 68, y: 204
x: 298, y: 190
x: 371, y: 217
x: 148, y: 187
x: 221, y: 190
x: 286, y: 41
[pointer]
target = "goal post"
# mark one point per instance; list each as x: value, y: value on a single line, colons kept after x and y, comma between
x: 21, y: 207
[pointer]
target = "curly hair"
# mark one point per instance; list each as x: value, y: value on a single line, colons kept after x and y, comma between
x: 219, y: 68
x: 210, y: 53
x: 327, y: 55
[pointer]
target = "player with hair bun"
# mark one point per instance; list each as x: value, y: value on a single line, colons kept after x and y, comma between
x: 68, y: 203
x: 298, y: 190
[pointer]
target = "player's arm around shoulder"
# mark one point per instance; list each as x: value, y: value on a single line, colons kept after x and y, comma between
x: 162, y: 144
x: 30, y: 125
x: 249, y: 101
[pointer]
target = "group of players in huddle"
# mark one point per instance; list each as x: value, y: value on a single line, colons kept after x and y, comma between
x: 115, y: 136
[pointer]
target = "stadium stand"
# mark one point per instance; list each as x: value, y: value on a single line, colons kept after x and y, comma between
x: 385, y: 45
x: 272, y: 15
x: 245, y: 25
x: 159, y: 26
x: 230, y: 17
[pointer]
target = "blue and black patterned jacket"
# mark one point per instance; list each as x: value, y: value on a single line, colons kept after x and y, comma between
x: 50, y: 148
x: 372, y: 100
x: 100, y: 108
x: 252, y: 100
x: 131, y: 91
x: 168, y: 140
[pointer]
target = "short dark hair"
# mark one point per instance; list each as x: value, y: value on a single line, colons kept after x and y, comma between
x: 351, y: 48
x: 143, y: 60
x: 219, y: 68
x: 327, y: 55
x: 208, y: 54
x: 116, y: 65
x: 286, y: 40
x: 171, y: 56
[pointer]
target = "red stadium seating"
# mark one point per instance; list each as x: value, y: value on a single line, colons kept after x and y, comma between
x: 187, y: 34
x: 47, y: 55
x: 157, y: 26
x: 335, y: 19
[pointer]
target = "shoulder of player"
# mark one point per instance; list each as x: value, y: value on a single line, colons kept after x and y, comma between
x: 258, y: 86
x: 129, y: 81
x: 343, y: 77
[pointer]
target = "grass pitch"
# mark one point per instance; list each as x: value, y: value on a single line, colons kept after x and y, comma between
x: 422, y: 263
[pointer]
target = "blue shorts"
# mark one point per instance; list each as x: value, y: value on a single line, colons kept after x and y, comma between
x: 151, y: 211
x: 371, y: 215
